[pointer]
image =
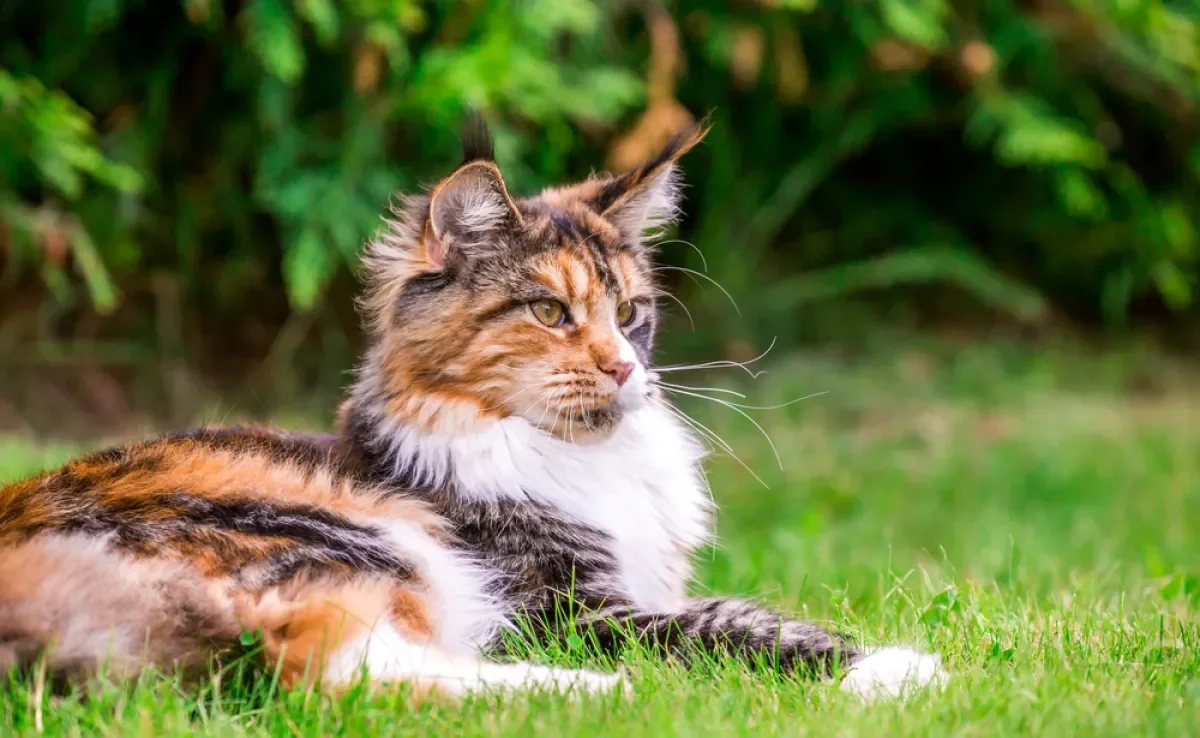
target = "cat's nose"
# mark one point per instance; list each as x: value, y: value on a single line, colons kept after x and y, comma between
x: 618, y: 369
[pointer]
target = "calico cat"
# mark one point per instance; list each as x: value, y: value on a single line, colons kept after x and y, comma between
x: 504, y: 451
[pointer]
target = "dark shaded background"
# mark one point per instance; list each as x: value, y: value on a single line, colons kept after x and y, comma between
x: 185, y: 185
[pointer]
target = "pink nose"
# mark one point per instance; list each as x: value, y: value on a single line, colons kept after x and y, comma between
x: 618, y: 370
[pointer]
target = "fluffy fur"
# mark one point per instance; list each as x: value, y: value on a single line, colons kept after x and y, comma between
x: 504, y: 451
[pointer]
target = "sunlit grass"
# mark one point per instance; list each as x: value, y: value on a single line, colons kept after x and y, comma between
x: 1019, y: 513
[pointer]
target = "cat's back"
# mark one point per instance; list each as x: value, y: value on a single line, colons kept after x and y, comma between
x: 225, y: 498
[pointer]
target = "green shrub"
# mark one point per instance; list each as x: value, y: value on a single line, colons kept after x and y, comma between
x: 221, y: 162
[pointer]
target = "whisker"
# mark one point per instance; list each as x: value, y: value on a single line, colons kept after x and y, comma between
x: 510, y: 397
x: 703, y: 261
x: 591, y: 395
x: 710, y: 365
x: 721, y: 363
x: 571, y: 422
x: 549, y: 435
x: 783, y: 404
x: 701, y: 389
x: 701, y: 275
x: 673, y: 387
x: 739, y: 411
x: 708, y: 433
x: 713, y: 437
x: 687, y: 312
x: 545, y: 410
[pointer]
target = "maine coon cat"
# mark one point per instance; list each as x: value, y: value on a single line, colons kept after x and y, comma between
x: 503, y: 452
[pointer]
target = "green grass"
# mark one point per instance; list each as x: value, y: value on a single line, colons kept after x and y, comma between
x: 1033, y: 517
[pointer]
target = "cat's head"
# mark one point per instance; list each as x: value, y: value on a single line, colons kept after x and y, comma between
x: 485, y: 306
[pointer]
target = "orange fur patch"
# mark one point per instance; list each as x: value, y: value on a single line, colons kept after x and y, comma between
x: 304, y: 623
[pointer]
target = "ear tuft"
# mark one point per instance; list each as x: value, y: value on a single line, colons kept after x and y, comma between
x: 477, y: 140
x: 645, y: 199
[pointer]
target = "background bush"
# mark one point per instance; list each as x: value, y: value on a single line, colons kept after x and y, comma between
x: 184, y: 186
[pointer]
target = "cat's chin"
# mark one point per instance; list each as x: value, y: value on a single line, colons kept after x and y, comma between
x: 594, y: 425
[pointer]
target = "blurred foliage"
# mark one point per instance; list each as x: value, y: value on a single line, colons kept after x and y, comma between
x: 203, y: 172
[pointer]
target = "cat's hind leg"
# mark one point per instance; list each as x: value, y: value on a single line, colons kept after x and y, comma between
x: 335, y: 634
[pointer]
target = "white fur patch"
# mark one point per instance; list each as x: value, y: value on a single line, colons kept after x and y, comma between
x: 643, y: 486
x: 480, y: 210
x: 465, y: 616
x: 388, y: 657
x: 892, y: 672
x: 635, y: 393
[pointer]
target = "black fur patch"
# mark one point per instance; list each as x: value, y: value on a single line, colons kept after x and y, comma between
x: 477, y: 140
x: 566, y: 225
x: 422, y: 287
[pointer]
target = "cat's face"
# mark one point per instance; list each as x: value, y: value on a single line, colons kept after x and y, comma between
x: 487, y: 307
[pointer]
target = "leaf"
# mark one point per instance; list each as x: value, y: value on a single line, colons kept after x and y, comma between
x: 1080, y: 195
x: 1178, y: 231
x: 1043, y: 142
x: 274, y: 39
x: 99, y: 283
x: 1172, y: 284
x: 249, y: 638
x: 918, y: 21
x: 1183, y: 585
x: 323, y: 17
x: 999, y: 653
x: 308, y: 266
x: 549, y: 17
x: 1029, y: 133
x: 941, y: 607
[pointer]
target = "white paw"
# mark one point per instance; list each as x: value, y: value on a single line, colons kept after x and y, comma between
x: 572, y: 680
x: 587, y: 681
x: 893, y: 672
x: 592, y: 681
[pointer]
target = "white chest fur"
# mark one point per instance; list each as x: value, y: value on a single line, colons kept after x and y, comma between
x: 643, y: 487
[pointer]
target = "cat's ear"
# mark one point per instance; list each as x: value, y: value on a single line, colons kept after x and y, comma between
x: 643, y: 200
x: 469, y: 209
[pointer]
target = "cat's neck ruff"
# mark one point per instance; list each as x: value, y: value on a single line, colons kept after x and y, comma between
x: 643, y: 486
x: 512, y: 459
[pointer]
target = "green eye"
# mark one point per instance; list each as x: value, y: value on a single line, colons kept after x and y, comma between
x: 550, y: 313
x: 626, y: 312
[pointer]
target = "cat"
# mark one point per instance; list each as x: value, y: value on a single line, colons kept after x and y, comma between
x: 503, y: 453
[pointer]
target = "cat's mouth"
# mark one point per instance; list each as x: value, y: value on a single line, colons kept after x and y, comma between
x: 587, y: 414
x: 601, y: 418
x: 583, y: 422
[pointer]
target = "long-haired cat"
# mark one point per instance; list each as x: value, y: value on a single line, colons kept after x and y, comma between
x: 504, y: 452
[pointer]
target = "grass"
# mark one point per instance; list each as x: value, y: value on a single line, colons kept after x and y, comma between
x: 1034, y: 517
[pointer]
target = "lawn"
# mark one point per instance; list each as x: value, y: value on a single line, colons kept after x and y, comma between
x: 1034, y: 516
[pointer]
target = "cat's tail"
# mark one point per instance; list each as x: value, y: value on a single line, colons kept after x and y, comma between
x: 893, y: 671
x: 70, y: 603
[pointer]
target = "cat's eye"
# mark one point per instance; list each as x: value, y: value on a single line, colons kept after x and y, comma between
x: 626, y: 312
x: 549, y: 313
